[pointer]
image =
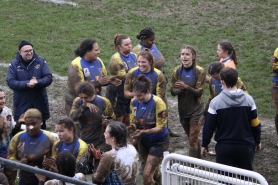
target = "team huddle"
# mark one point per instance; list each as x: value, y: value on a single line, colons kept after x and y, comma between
x: 105, y: 133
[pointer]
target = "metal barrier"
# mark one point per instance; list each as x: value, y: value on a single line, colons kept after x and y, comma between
x: 52, y: 175
x: 181, y: 170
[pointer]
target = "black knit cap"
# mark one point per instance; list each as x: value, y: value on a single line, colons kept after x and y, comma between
x: 24, y: 43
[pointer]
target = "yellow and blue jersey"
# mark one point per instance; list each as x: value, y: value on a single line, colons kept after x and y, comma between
x: 147, y: 115
x: 157, y: 79
x: 91, y: 122
x: 190, y: 101
x: 120, y: 64
x: 33, y: 147
x: 157, y: 55
x: 77, y: 148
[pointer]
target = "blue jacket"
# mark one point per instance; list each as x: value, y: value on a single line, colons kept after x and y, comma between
x: 25, y: 97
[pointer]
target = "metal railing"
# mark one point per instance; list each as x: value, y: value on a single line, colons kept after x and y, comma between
x: 52, y: 175
x: 179, y: 170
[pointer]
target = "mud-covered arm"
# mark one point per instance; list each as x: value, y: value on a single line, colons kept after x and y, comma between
x: 128, y: 85
x: 106, y: 164
x: 161, y: 86
x: 75, y: 76
x: 12, y: 149
x: 117, y: 68
x: 175, y: 91
x: 77, y: 109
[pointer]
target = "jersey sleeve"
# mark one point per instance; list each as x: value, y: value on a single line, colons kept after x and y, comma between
x: 54, y: 149
x: 75, y: 74
x: 116, y: 65
x: 82, y: 149
x: 161, y: 84
x: 77, y: 109
x: 104, y: 71
x: 129, y: 79
x: 12, y: 150
x: 105, y: 166
x: 161, y: 112
x: 132, y: 114
x: 240, y: 85
x: 136, y: 49
x: 108, y: 111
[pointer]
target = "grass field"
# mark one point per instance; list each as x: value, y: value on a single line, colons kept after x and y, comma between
x: 56, y: 30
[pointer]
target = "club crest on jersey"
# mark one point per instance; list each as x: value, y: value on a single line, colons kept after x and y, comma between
x: 37, y: 66
x: 86, y: 72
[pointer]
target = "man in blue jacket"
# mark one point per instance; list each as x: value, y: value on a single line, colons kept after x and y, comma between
x: 28, y: 76
x: 233, y: 114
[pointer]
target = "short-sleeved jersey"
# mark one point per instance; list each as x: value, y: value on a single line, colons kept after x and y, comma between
x: 190, y: 103
x: 147, y: 115
x: 79, y: 71
x: 215, y: 87
x: 154, y: 50
x: 90, y: 122
x: 6, y: 124
x: 156, y: 76
x: 228, y: 62
x: 120, y: 64
x: 77, y: 148
x: 34, y: 148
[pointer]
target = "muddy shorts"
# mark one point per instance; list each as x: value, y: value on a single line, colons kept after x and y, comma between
x: 274, y: 92
x: 153, y: 146
x: 191, y: 121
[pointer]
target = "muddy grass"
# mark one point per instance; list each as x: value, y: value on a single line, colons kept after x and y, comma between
x: 265, y: 161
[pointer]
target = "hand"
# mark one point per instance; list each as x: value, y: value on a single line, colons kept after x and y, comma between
x: 95, y: 152
x: 115, y: 81
x: 93, y: 108
x: 24, y: 160
x: 180, y: 85
x: 40, y: 177
x: 258, y: 147
x: 204, y: 151
x: 49, y: 164
x: 105, y: 121
x: 32, y: 82
x: 131, y: 128
x: 103, y: 80
x: 201, y: 120
x: 137, y: 133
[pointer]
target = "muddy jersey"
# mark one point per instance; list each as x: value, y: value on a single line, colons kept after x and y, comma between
x: 6, y: 124
x: 77, y: 148
x: 34, y: 148
x: 156, y: 76
x: 124, y: 160
x: 228, y: 62
x: 190, y: 100
x: 150, y: 114
x: 79, y: 71
x: 157, y: 55
x: 91, y: 130
x: 119, y: 65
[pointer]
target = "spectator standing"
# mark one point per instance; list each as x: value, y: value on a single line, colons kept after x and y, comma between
x: 233, y: 114
x: 28, y: 76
